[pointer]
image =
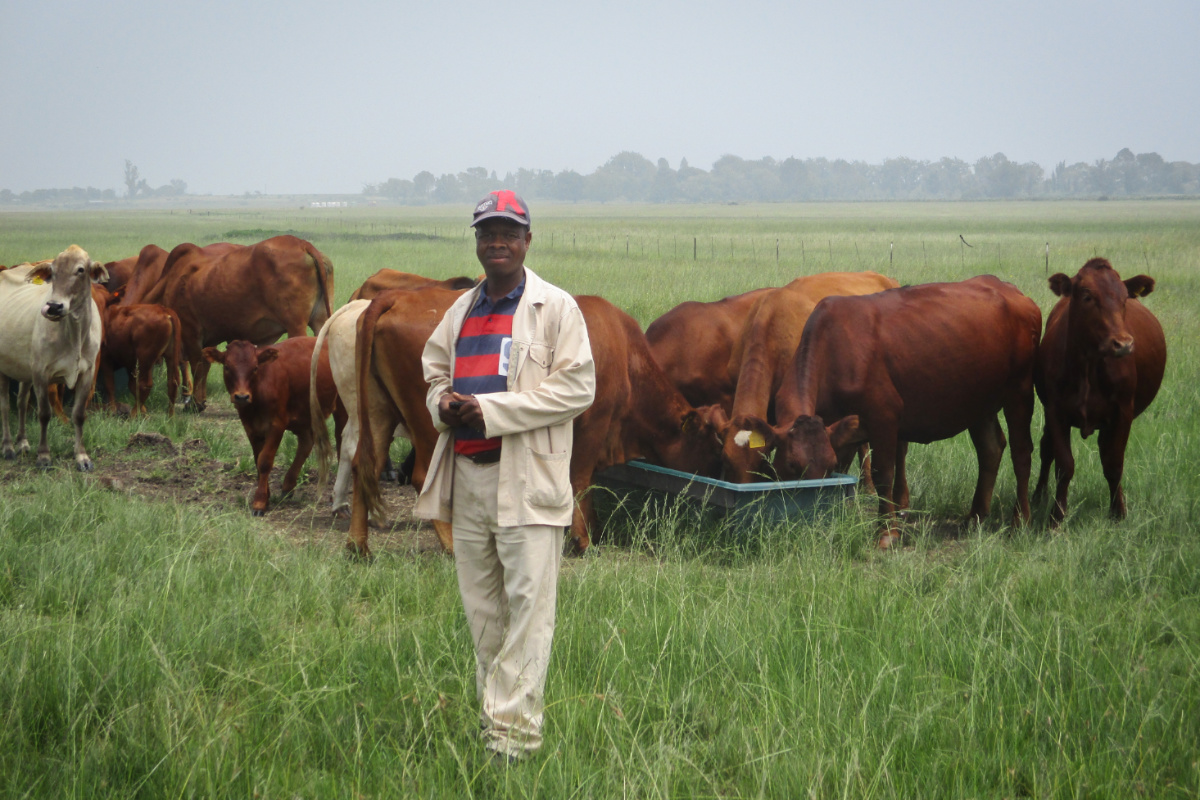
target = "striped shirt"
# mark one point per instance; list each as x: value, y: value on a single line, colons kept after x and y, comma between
x: 481, y: 359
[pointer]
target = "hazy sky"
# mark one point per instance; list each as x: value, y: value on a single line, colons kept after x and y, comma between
x: 327, y: 96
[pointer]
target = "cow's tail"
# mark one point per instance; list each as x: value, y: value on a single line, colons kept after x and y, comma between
x: 366, y: 477
x: 320, y: 432
x: 324, y: 270
x: 173, y: 355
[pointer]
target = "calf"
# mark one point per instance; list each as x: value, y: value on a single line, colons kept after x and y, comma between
x: 269, y: 389
x: 136, y: 337
x: 50, y: 331
x: 1099, y: 366
x: 916, y: 364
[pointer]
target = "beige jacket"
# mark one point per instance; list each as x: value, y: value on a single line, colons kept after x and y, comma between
x: 551, y: 380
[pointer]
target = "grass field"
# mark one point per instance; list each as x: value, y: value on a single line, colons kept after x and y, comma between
x: 155, y: 641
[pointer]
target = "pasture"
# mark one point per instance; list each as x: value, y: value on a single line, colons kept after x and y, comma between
x: 155, y: 641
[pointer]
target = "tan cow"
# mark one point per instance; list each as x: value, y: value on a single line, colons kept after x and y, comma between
x: 50, y: 331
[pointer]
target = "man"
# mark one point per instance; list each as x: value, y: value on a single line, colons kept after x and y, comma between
x: 508, y: 367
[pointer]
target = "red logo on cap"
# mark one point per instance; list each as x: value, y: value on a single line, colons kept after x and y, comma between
x: 505, y: 198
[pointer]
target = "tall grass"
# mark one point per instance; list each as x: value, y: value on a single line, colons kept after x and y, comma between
x: 171, y: 649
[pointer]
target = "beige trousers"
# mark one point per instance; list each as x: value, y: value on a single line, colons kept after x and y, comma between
x: 508, y: 578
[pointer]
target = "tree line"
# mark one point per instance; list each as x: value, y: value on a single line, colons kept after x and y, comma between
x: 631, y: 177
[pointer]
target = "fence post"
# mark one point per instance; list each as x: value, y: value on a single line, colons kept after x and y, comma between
x: 693, y: 248
x: 891, y: 248
x: 1047, y: 259
x: 777, y: 251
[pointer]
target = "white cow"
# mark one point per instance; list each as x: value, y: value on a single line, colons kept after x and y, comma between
x: 49, y: 331
x: 341, y: 330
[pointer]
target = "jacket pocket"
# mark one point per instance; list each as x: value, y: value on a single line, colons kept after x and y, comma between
x: 548, y: 479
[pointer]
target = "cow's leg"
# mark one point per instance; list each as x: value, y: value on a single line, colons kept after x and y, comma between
x: 83, y: 391
x: 6, y: 445
x: 383, y: 420
x: 1113, y: 440
x: 1064, y: 465
x: 1019, y: 416
x: 42, y: 391
x: 23, y: 393
x: 900, y: 482
x: 883, y: 472
x: 583, y: 519
x: 988, y: 438
x: 1046, y: 454
x: 341, y: 484
x: 265, y: 448
x: 304, y: 446
x: 108, y: 380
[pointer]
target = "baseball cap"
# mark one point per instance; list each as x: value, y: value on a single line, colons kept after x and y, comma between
x: 502, y: 203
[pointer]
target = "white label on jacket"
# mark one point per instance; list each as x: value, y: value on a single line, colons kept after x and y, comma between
x: 505, y: 354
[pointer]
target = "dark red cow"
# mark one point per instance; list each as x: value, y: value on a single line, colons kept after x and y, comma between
x: 915, y: 364
x: 637, y: 413
x: 693, y: 343
x: 269, y: 389
x: 1100, y: 364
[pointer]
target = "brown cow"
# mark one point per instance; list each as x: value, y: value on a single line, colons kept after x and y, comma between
x: 119, y: 272
x: 637, y: 413
x: 693, y: 343
x: 256, y: 293
x: 136, y: 337
x: 269, y: 389
x: 386, y: 279
x: 146, y: 273
x: 765, y: 351
x: 1099, y: 365
x: 917, y: 364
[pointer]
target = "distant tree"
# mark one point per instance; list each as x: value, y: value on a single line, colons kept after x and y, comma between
x: 423, y: 183
x: 133, y: 181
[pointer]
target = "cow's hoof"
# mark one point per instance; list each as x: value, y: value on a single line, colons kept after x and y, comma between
x: 359, y: 553
x: 341, y: 512
x: 889, y: 540
x: 257, y: 512
x: 9, y: 454
x: 389, y: 475
x: 193, y: 405
x: 43, y: 462
x: 83, y: 463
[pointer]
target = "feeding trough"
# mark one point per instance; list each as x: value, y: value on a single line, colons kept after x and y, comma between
x: 771, y: 501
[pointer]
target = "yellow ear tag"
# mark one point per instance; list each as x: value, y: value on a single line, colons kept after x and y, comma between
x: 37, y: 281
x: 757, y: 440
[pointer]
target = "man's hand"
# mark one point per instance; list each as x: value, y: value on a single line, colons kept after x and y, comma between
x: 460, y: 410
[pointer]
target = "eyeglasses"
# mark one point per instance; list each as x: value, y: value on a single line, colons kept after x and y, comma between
x: 511, y: 237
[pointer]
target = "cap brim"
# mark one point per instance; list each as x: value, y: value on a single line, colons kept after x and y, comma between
x: 500, y: 215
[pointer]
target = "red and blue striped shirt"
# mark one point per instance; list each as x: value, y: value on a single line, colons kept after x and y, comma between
x: 481, y: 359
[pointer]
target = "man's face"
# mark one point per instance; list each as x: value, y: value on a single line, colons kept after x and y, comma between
x: 501, y: 246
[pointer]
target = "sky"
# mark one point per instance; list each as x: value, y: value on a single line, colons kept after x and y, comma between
x: 325, y: 97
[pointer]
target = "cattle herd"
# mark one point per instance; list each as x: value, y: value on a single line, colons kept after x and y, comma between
x: 777, y: 383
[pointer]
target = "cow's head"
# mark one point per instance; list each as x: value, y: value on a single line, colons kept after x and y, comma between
x: 70, y: 276
x: 241, y: 361
x: 807, y: 450
x: 698, y: 448
x: 748, y: 445
x: 813, y: 450
x: 1097, y: 311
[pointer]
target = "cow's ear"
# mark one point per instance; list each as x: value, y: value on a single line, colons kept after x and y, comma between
x: 1139, y: 285
x: 98, y: 272
x: 1060, y: 284
x: 268, y: 355
x: 756, y: 434
x: 214, y: 356
x: 41, y: 273
x: 714, y: 415
x: 845, y: 436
